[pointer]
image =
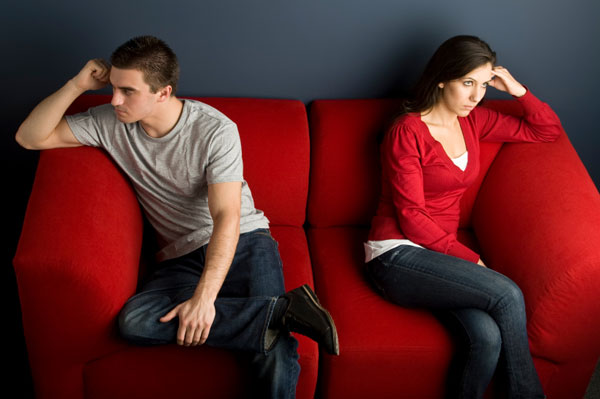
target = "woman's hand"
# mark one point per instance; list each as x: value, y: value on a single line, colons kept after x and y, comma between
x: 504, y: 81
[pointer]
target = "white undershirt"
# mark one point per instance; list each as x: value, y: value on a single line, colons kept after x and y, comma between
x: 375, y: 248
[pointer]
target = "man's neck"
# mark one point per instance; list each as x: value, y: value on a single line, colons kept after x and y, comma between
x: 164, y: 119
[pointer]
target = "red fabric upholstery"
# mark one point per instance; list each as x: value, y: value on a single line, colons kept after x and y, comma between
x: 534, y: 213
x: 78, y: 260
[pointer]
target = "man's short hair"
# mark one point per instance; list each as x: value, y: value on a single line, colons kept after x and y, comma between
x: 153, y: 57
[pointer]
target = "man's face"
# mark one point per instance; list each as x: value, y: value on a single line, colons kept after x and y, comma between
x: 132, y: 99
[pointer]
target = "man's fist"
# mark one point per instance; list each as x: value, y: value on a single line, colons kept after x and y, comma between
x: 93, y: 76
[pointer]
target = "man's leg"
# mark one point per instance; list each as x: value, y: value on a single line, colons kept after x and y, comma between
x: 243, y: 309
x: 257, y: 272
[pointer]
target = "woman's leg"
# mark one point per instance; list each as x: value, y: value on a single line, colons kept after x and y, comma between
x: 479, y: 342
x: 417, y: 277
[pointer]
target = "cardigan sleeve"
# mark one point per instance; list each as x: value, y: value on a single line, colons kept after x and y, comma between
x: 401, y: 166
x: 538, y: 124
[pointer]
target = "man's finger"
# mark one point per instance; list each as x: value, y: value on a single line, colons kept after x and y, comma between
x: 197, y: 337
x: 169, y: 316
x: 181, y: 336
x: 204, y: 335
x: 189, y: 336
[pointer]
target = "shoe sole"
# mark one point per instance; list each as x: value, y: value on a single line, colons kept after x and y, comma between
x: 315, y: 301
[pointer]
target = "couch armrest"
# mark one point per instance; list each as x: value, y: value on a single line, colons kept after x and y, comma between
x: 76, y: 263
x: 537, y: 219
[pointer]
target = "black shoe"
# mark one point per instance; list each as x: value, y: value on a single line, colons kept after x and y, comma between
x: 306, y: 316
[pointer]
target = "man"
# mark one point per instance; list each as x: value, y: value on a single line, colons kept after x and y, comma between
x: 219, y: 279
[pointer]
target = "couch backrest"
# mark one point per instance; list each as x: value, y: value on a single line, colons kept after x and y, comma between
x: 275, y: 149
x: 345, y: 170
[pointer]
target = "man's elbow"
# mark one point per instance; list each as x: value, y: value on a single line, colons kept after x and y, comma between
x: 23, y: 142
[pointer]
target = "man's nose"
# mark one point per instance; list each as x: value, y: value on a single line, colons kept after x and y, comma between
x: 117, y: 99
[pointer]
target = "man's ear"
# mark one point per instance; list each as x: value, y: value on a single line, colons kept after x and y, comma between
x: 165, y: 93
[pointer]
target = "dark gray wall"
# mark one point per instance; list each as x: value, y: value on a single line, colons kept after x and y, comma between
x: 289, y: 49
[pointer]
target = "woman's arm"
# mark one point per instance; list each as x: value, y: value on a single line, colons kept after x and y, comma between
x: 538, y: 124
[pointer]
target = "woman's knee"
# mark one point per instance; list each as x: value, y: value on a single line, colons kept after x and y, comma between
x: 482, y: 332
x: 511, y: 296
x: 487, y: 336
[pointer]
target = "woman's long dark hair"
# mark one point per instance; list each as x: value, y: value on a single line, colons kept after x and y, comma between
x: 455, y: 58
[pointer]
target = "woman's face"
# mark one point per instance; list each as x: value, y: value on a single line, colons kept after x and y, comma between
x: 461, y: 95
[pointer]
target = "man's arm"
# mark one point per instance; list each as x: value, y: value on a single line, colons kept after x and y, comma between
x: 46, y: 127
x: 198, y: 313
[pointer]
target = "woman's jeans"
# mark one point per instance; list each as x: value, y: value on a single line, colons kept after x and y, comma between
x: 243, y: 310
x: 487, y: 305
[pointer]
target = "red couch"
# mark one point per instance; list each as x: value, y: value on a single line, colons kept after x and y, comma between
x: 533, y: 215
x: 79, y: 254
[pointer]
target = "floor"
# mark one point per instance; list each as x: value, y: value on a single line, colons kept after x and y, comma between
x: 593, y: 391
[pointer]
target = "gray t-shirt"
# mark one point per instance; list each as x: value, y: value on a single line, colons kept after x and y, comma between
x: 171, y: 174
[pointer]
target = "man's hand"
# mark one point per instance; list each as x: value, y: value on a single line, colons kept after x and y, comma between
x: 480, y: 263
x: 195, y: 319
x: 93, y: 76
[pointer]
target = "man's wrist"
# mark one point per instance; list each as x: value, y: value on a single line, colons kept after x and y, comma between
x: 72, y: 86
x: 205, y: 293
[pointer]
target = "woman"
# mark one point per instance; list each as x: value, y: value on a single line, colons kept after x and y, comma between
x: 430, y: 156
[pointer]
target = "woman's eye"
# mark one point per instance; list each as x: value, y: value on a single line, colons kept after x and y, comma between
x: 468, y: 83
x: 485, y: 85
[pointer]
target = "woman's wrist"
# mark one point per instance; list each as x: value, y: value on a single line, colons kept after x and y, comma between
x: 520, y: 92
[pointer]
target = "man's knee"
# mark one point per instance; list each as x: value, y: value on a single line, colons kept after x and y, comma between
x: 140, y: 325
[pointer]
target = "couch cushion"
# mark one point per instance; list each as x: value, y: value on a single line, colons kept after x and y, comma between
x: 384, y: 348
x: 275, y: 148
x: 345, y: 171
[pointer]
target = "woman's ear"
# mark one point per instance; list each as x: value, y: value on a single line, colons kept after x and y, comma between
x: 441, y: 85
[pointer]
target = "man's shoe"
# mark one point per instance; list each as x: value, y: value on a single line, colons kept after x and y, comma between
x: 306, y: 316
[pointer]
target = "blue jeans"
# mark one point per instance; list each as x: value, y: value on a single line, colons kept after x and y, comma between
x: 243, y: 310
x: 485, y: 305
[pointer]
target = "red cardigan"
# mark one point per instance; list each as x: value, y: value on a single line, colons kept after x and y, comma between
x: 422, y: 187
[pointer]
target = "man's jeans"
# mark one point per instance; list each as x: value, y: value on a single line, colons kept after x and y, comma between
x: 487, y: 306
x: 243, y: 310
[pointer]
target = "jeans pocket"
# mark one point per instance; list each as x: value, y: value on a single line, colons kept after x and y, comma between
x: 266, y: 233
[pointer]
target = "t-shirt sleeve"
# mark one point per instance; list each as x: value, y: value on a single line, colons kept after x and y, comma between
x: 538, y: 124
x: 402, y: 168
x: 86, y: 126
x: 225, y: 160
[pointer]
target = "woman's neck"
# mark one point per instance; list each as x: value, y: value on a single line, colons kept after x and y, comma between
x: 440, y: 116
